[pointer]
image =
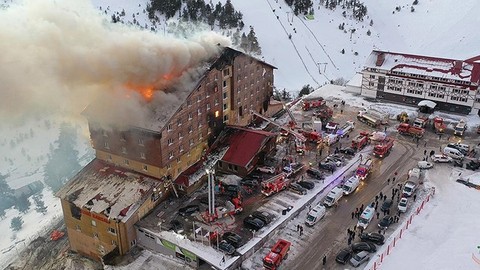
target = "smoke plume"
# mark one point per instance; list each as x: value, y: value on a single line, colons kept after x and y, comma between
x: 61, y: 56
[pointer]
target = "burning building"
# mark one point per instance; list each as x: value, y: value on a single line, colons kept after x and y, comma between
x: 150, y: 151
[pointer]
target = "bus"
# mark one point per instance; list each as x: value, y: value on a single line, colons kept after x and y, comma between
x: 366, y: 217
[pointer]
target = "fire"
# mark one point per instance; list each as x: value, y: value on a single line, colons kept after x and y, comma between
x: 145, y: 91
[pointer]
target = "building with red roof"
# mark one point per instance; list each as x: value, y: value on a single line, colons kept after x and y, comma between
x: 245, y: 148
x: 409, y: 79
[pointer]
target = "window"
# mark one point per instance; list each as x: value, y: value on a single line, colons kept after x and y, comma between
x: 180, y: 135
x: 126, y: 162
x: 170, y: 141
x: 208, y: 106
x: 216, y: 101
x: 95, y: 235
x: 226, y: 72
x: 190, y: 116
x: 145, y: 168
x: 199, y: 98
x: 170, y: 155
x: 111, y: 230
x: 191, y: 141
x: 225, y: 118
x: 199, y: 111
x: 169, y: 127
x: 179, y: 160
x: 224, y: 84
x: 140, y: 142
x: 190, y: 129
x: 372, y: 76
x: 104, y: 133
x: 77, y: 227
x: 371, y: 84
x: 169, y: 166
x: 124, y: 150
x: 94, y: 224
x: 114, y: 243
x: 180, y: 148
x: 142, y: 155
x: 225, y: 95
x: 225, y: 106
x: 179, y: 122
x: 105, y: 144
x: 189, y: 103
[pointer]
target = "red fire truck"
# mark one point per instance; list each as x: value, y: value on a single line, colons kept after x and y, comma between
x: 360, y: 141
x: 275, y: 184
x: 277, y: 254
x: 383, y: 149
x: 438, y: 125
x: 313, y: 103
x: 407, y: 129
x: 364, y: 169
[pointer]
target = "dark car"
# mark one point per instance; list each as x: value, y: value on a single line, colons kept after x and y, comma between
x: 249, y: 182
x: 233, y: 239
x: 373, y: 237
x: 327, y: 166
x: 336, y: 159
x: 315, y: 174
x: 175, y: 225
x: 457, y: 163
x: 385, y: 222
x: 343, y: 256
x: 296, y: 188
x: 188, y: 210
x: 363, y: 246
x: 348, y: 151
x: 263, y: 216
x: 230, y: 190
x: 255, y: 176
x: 386, y: 205
x: 253, y: 223
x: 306, y: 184
x: 472, y: 165
x: 226, y: 248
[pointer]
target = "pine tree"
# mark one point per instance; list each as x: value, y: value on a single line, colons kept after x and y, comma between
x: 7, y: 198
x: 252, y: 40
x: 22, y: 204
x: 39, y: 204
x: 16, y: 223
x: 244, y: 43
x: 306, y: 89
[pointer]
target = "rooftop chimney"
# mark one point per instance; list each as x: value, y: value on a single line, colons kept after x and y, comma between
x: 457, y: 67
x: 380, y: 59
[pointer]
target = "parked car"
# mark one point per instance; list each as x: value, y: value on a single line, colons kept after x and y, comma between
x: 457, y: 163
x: 306, y: 184
x: 402, y: 205
x: 386, y: 205
x: 175, y: 225
x: 373, y: 237
x: 343, y: 256
x: 441, y: 159
x: 335, y: 159
x: 253, y: 223
x: 297, y: 189
x: 425, y: 165
x: 226, y: 248
x: 266, y: 169
x: 359, y: 258
x: 385, y: 222
x: 472, y: 165
x: 249, y: 182
x: 348, y: 151
x: 327, y: 166
x: 363, y: 246
x: 233, y: 239
x: 315, y: 173
x: 188, y: 210
x: 263, y: 216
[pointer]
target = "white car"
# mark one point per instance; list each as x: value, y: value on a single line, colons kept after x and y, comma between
x: 441, y: 159
x: 402, y: 205
x: 378, y: 136
x: 425, y: 165
x: 266, y: 169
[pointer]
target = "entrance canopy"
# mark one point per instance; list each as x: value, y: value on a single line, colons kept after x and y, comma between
x: 427, y: 103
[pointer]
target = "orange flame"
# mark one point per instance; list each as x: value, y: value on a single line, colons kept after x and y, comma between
x: 145, y: 91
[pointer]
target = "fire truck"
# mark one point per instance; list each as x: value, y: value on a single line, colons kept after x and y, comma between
x: 360, y: 141
x: 368, y: 119
x: 324, y: 114
x: 438, y: 125
x: 420, y: 122
x: 275, y: 184
x: 331, y: 128
x: 312, y: 103
x: 364, y: 169
x: 383, y: 149
x: 407, y: 129
x: 276, y: 255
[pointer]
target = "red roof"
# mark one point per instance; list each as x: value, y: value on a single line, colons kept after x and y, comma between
x: 244, y: 145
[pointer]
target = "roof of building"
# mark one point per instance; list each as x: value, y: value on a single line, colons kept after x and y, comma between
x: 463, y: 70
x: 355, y: 81
x: 244, y: 144
x: 105, y: 189
x: 154, y: 115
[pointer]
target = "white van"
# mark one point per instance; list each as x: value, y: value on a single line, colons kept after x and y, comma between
x: 317, y: 213
x: 409, y: 188
x: 333, y: 197
x: 366, y: 217
x: 453, y: 153
x: 351, y: 185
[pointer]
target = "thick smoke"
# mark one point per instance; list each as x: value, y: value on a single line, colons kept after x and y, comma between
x: 61, y: 55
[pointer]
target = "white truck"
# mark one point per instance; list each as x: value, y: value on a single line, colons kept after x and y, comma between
x: 317, y: 126
x: 331, y: 139
x: 351, y: 185
x: 348, y: 127
x: 333, y: 197
x: 414, y: 179
x: 460, y: 128
x: 366, y: 217
x: 382, y: 116
x: 314, y: 215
